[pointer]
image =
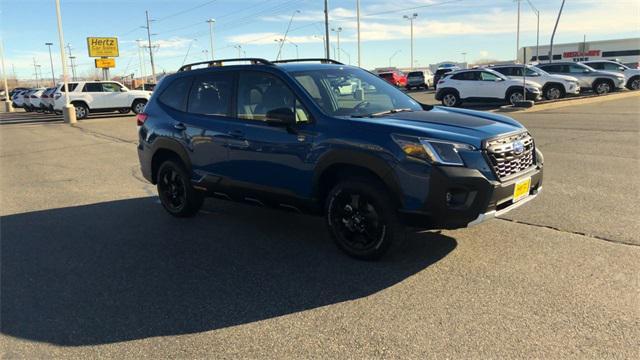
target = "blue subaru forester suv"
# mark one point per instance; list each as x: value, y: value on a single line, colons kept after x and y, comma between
x: 320, y: 137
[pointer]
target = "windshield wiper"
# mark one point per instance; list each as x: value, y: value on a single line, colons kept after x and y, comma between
x: 382, y: 113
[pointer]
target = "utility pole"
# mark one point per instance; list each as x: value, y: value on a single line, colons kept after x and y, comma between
x: 73, y: 67
x: 411, y: 18
x: 153, y: 65
x: 326, y: 30
x: 464, y: 58
x: 53, y: 75
x: 554, y: 32
x: 7, y: 101
x: 285, y: 34
x: 211, y: 23
x: 68, y: 111
x: 35, y: 68
x: 338, y: 31
x: 239, y: 47
x: 518, y: 33
x: 143, y: 71
x: 358, y: 20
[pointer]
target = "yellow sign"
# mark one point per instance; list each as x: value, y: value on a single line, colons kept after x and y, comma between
x: 105, y: 63
x: 103, y: 46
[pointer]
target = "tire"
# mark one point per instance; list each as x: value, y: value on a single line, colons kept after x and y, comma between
x: 602, y: 87
x: 82, y: 111
x: 514, y: 96
x: 361, y: 218
x: 124, y: 111
x: 554, y: 92
x: 138, y: 106
x: 176, y: 194
x: 634, y: 83
x: 451, y: 99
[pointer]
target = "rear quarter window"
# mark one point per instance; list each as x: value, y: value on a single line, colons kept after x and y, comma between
x: 175, y: 95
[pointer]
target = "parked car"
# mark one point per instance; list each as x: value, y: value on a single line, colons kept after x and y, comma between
x: 46, y: 99
x: 553, y: 86
x: 32, y: 99
x: 631, y: 76
x: 484, y: 84
x: 422, y: 79
x: 441, y: 72
x: 16, y: 90
x: 18, y: 98
x: 101, y: 96
x: 276, y: 134
x: 601, y: 82
x: 396, y: 78
x: 146, y: 87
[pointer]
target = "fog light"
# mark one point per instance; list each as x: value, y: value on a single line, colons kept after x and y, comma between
x: 456, y: 197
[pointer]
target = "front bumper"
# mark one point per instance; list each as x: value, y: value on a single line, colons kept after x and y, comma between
x: 475, y: 198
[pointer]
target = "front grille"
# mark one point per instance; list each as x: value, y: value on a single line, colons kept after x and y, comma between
x: 505, y: 160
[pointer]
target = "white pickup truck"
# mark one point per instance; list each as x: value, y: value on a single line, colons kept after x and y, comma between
x: 100, y: 96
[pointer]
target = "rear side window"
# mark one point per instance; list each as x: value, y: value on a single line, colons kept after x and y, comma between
x: 92, y: 87
x: 211, y: 95
x: 175, y: 95
x: 598, y: 66
x: 468, y: 76
x: 507, y: 71
x: 72, y: 86
x: 551, y: 68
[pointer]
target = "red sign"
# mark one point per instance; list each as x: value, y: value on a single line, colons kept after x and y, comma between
x: 572, y: 54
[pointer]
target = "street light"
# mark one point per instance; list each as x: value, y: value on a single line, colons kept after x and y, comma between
x: 211, y: 23
x: 392, y: 56
x: 68, y: 111
x: 53, y: 75
x: 338, y: 31
x: 239, y: 47
x: 143, y: 70
x: 297, y: 50
x: 7, y: 101
x: 411, y: 18
x: 464, y: 58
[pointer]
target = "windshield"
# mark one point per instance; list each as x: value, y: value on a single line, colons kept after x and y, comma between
x: 353, y: 92
x: 536, y: 70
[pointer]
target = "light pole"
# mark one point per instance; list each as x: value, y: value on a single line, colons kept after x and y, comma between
x: 553, y: 35
x: 35, y: 68
x: 358, y: 21
x: 239, y: 47
x: 297, y: 50
x: 518, y: 32
x: 392, y: 56
x: 211, y: 23
x: 73, y: 68
x: 53, y: 75
x: 464, y: 58
x: 68, y: 111
x: 411, y: 18
x: 535, y: 10
x: 285, y: 33
x: 143, y: 71
x: 326, y: 30
x: 338, y: 31
x: 7, y: 102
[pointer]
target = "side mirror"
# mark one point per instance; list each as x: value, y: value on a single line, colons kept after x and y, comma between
x: 124, y: 89
x: 621, y: 68
x: 281, y: 117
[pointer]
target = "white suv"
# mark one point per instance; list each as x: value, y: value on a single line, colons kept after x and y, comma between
x: 631, y: 76
x: 483, y: 84
x: 101, y: 96
x: 553, y: 86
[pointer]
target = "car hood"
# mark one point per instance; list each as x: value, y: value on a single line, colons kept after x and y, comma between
x: 460, y: 125
x: 610, y: 73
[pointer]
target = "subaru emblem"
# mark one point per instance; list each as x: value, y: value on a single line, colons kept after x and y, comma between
x: 518, y: 147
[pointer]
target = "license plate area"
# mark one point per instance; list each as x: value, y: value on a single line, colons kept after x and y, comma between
x: 521, y: 189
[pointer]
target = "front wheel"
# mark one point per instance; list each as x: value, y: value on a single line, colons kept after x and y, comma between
x: 361, y: 218
x: 553, y: 92
x: 82, y: 111
x: 176, y: 194
x: 515, y: 96
x: 634, y: 84
x: 602, y: 87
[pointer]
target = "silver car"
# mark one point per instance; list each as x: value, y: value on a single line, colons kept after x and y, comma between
x: 601, y: 82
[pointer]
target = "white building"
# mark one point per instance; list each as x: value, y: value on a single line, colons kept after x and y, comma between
x: 626, y: 51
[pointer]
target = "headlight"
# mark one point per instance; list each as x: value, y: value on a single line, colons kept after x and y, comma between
x: 432, y: 150
x: 532, y: 89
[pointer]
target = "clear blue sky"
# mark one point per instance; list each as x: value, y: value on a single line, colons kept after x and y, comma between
x: 443, y: 29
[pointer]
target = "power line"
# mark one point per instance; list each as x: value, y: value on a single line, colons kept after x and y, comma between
x: 186, y: 10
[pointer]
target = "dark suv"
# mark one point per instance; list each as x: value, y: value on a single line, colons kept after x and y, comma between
x: 277, y: 134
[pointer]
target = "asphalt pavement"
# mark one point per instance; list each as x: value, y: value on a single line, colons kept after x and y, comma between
x: 92, y: 266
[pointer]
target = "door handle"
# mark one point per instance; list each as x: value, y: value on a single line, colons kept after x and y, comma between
x: 179, y: 126
x: 238, y: 134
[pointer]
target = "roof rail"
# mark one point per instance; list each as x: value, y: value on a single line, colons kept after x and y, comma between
x: 220, y: 62
x: 321, y: 60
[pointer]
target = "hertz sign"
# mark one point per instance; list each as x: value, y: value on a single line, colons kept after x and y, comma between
x: 103, y: 46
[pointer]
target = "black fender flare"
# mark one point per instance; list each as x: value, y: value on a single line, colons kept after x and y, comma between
x: 163, y: 143
x: 441, y: 91
x: 357, y: 159
x: 512, y: 88
x: 83, y: 102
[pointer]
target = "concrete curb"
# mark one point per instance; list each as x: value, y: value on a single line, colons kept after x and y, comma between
x: 589, y: 99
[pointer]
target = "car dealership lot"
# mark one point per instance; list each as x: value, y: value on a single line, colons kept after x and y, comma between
x: 93, y: 267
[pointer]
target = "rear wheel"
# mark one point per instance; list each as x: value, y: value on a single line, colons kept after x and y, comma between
x: 451, y: 99
x: 138, y: 106
x: 176, y: 194
x: 82, y: 111
x: 602, y: 87
x: 361, y: 218
x: 124, y: 110
x: 634, y: 83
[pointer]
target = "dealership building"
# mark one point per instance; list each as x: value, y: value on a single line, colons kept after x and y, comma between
x: 627, y: 51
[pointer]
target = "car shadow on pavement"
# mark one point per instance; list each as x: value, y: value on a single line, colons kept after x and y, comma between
x: 126, y: 270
